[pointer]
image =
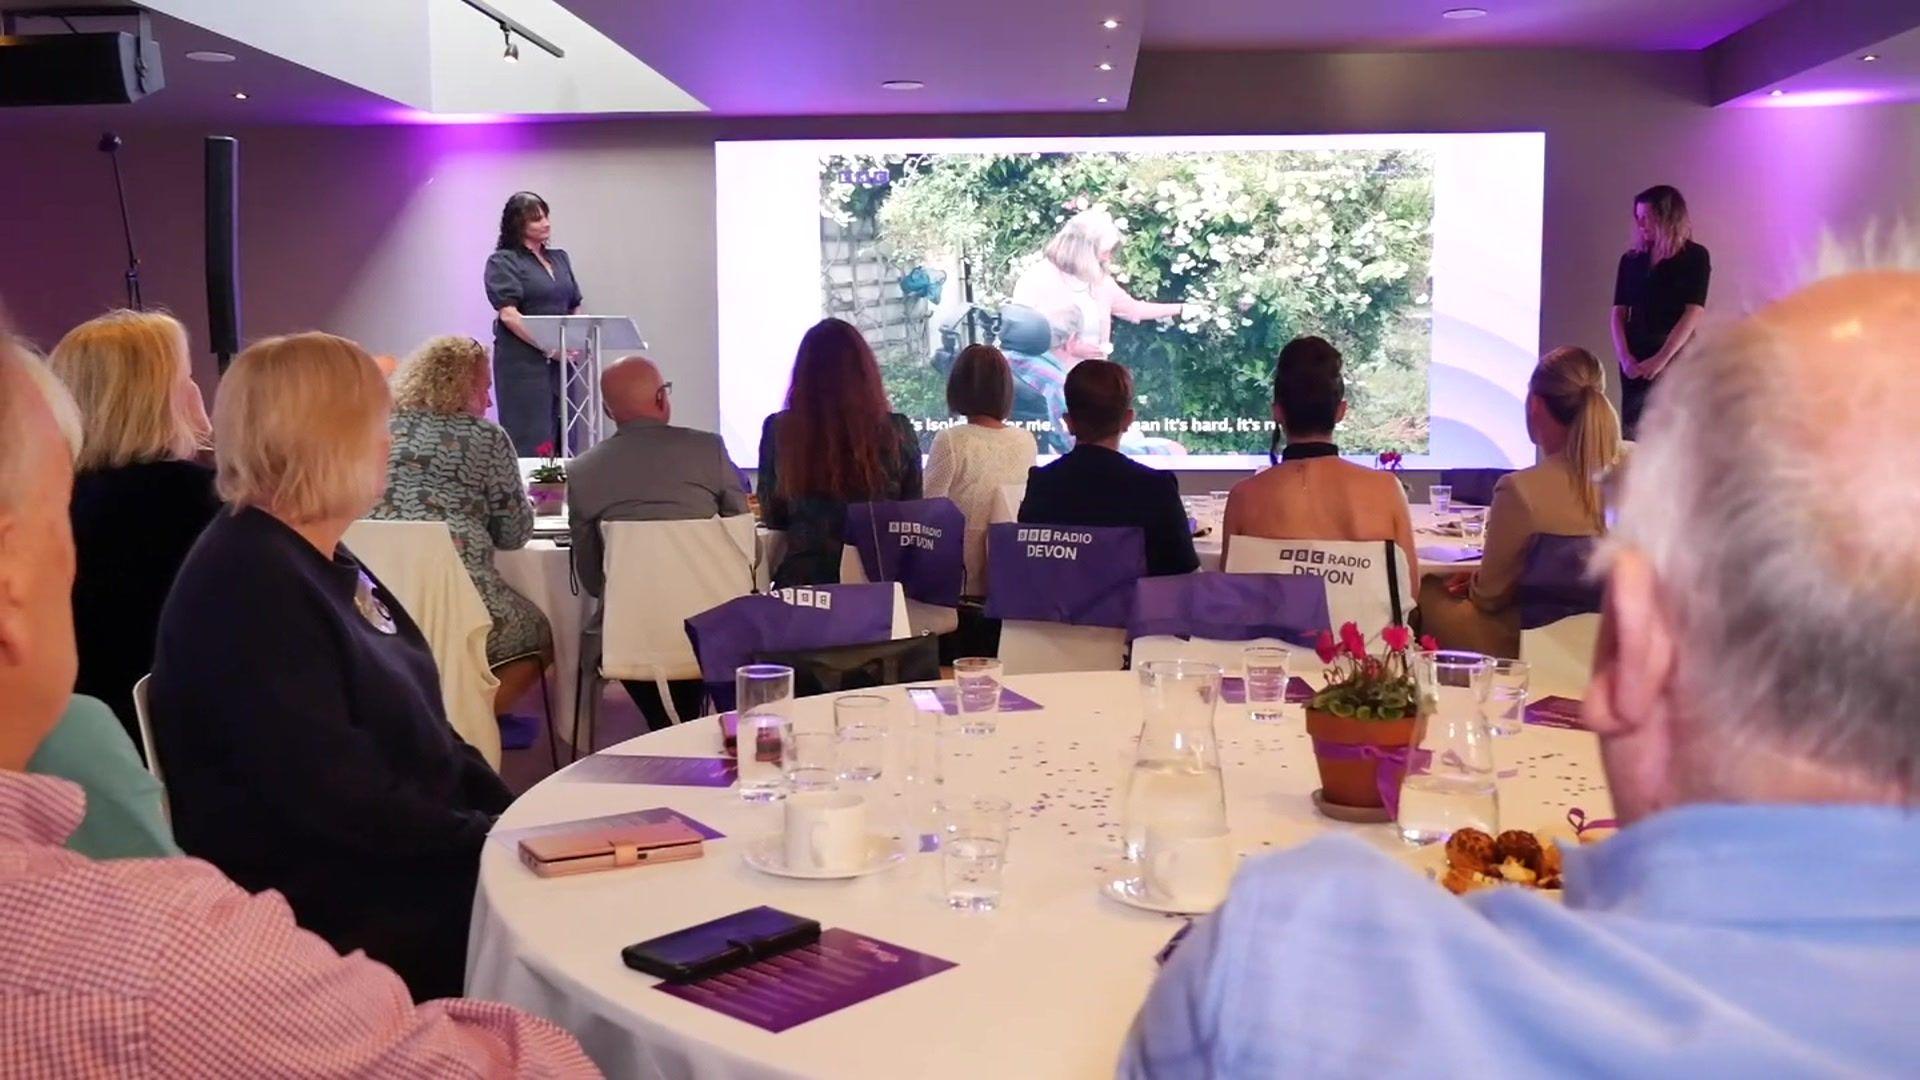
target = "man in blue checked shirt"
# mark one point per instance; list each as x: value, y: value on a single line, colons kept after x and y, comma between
x: 1757, y: 698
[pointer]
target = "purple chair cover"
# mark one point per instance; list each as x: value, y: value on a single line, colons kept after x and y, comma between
x: 1473, y: 487
x: 813, y: 617
x: 920, y: 544
x: 1074, y: 574
x: 1231, y: 607
x: 1553, y: 581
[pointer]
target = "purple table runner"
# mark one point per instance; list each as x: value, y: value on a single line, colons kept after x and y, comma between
x: 947, y: 699
x: 841, y: 969
x: 1557, y: 712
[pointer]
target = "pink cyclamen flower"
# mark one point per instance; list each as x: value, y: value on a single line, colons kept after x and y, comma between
x: 1324, y: 646
x: 1397, y: 638
x: 1428, y: 643
x: 1352, y: 640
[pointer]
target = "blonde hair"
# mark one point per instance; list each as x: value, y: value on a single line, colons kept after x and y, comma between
x: 1671, y: 228
x: 1572, y: 386
x: 440, y: 375
x: 123, y: 369
x: 1076, y: 248
x: 298, y: 425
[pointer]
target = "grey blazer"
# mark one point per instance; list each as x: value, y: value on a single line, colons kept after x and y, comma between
x: 647, y: 471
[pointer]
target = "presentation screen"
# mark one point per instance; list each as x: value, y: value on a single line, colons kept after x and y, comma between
x: 1191, y: 260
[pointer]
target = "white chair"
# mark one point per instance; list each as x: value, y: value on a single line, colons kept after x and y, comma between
x: 1559, y: 655
x: 1362, y: 576
x: 1036, y: 648
x: 921, y: 618
x: 417, y: 562
x: 145, y: 720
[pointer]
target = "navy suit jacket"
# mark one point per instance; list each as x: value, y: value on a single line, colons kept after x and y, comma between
x: 1092, y: 485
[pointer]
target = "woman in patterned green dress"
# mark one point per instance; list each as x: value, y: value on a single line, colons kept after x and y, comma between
x: 450, y: 463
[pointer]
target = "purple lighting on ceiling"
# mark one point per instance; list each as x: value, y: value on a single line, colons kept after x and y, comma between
x: 422, y: 116
x: 1817, y: 99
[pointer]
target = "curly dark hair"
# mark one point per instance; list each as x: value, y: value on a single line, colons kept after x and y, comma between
x: 513, y: 218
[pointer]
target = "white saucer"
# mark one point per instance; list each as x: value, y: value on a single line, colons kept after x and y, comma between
x: 768, y: 854
x: 1133, y: 893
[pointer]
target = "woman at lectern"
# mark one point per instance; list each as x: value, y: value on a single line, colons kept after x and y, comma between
x: 527, y: 277
x: 1659, y: 297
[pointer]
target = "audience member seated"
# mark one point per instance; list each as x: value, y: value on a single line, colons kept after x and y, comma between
x: 1310, y: 494
x: 1759, y: 913
x: 647, y: 470
x: 296, y: 707
x: 140, y: 500
x: 1578, y: 433
x: 837, y: 442
x: 450, y: 463
x: 969, y: 463
x: 161, y: 966
x: 1095, y: 484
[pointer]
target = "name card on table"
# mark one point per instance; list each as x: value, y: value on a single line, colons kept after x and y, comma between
x: 606, y: 768
x: 658, y: 815
x: 947, y: 699
x: 1233, y: 690
x: 1556, y: 712
x: 841, y: 969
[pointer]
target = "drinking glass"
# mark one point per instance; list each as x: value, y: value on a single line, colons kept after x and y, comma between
x: 860, y: 734
x: 1449, y: 782
x: 1473, y: 529
x: 763, y: 696
x: 977, y: 682
x: 809, y: 764
x: 1175, y: 779
x: 1266, y: 683
x: 1440, y: 497
x: 1507, y: 696
x: 973, y: 853
x: 1217, y: 502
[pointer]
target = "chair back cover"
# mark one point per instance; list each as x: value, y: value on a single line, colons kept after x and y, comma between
x: 1368, y: 582
x: 786, y: 620
x: 1078, y: 575
x: 919, y: 543
x: 1231, y: 607
x: 660, y: 574
x: 1553, y: 581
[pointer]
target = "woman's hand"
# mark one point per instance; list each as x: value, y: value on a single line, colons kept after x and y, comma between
x: 1459, y: 585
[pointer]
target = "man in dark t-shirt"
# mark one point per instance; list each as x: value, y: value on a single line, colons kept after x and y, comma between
x: 1652, y: 300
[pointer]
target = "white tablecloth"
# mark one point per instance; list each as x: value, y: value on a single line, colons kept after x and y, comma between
x: 541, y: 573
x: 1045, y: 987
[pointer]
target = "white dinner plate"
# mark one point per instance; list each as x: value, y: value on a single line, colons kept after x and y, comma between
x: 768, y: 854
x: 1132, y: 891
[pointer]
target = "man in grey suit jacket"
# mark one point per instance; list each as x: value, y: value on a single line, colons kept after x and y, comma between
x: 648, y: 470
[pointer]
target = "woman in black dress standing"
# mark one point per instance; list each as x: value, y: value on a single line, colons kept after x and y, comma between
x: 526, y: 277
x: 1659, y: 297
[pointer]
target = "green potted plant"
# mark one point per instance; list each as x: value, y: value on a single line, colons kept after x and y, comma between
x: 1363, y: 722
x: 547, y: 483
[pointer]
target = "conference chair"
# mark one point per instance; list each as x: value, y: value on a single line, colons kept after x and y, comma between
x: 1368, y: 582
x: 1559, y: 655
x: 921, y: 544
x: 1063, y: 594
x: 145, y: 721
x: 1216, y: 617
x: 658, y: 575
x: 829, y: 634
x: 1553, y: 582
x: 417, y: 562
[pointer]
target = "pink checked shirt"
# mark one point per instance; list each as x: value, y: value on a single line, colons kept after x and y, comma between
x: 163, y: 967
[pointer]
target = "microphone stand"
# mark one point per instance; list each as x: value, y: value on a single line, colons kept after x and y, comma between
x: 110, y: 145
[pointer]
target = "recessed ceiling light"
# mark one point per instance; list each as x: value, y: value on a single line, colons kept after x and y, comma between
x: 903, y: 84
x: 1099, y: 101
x: 239, y: 95
x: 211, y: 56
x: 1111, y: 24
x: 1776, y: 93
x: 1870, y: 57
x: 1105, y: 66
x: 1464, y: 13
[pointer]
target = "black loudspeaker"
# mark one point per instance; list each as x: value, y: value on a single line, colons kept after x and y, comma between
x: 94, y: 68
x: 223, y: 246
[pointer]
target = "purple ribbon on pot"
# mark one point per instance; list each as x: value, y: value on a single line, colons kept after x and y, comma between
x: 1577, y: 818
x: 1390, y: 765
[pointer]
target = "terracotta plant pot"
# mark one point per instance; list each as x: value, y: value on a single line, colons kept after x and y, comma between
x: 1355, y: 782
x: 548, y: 498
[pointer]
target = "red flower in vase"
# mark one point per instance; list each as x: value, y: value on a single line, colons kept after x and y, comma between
x: 1324, y: 646
x: 1428, y: 644
x: 1352, y: 640
x: 545, y: 450
x: 1397, y: 638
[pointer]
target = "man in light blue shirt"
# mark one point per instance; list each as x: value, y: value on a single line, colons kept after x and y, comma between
x: 1758, y: 703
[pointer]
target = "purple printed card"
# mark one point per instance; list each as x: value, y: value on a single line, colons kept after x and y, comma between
x: 947, y: 699
x: 653, y: 816
x: 1558, y: 712
x: 606, y: 768
x: 1233, y: 690
x: 841, y: 969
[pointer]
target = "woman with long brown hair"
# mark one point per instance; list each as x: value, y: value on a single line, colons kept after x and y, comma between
x: 838, y: 441
x: 1659, y: 296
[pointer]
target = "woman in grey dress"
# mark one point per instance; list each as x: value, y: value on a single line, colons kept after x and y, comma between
x: 450, y: 463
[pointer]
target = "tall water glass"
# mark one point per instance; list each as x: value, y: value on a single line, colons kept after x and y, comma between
x: 763, y: 696
x: 973, y: 853
x: 1449, y: 781
x: 1473, y: 529
x: 1507, y: 696
x: 1440, y: 497
x: 1175, y: 780
x: 860, y: 736
x: 977, y: 686
x: 1266, y: 683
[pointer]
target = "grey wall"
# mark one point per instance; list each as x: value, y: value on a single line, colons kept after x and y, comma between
x: 380, y: 233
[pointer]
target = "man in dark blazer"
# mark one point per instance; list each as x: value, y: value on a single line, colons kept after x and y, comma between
x: 1095, y: 484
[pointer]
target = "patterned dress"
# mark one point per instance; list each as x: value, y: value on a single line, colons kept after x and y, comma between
x: 461, y: 469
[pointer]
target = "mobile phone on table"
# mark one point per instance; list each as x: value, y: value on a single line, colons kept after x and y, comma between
x: 721, y: 945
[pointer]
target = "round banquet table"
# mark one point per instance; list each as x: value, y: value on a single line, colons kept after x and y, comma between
x: 1044, y: 987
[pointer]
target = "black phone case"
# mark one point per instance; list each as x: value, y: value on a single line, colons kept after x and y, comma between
x: 721, y: 945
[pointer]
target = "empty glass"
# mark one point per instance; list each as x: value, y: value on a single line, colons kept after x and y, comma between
x: 1266, y: 683
x: 1507, y: 696
x: 977, y: 686
x: 973, y: 853
x: 763, y: 696
x: 1175, y: 779
x: 1449, y: 782
x: 860, y: 734
x: 1440, y: 497
x: 810, y: 761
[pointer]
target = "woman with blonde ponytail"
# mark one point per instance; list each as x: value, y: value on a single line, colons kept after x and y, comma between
x: 1570, y: 419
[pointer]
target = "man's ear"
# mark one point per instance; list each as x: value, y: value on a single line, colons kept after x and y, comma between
x: 13, y: 587
x: 1635, y: 663
x: 1340, y: 413
x: 1279, y: 415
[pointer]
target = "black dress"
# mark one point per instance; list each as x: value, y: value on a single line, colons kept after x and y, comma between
x: 815, y: 525
x: 297, y: 713
x: 525, y: 383
x: 132, y: 528
x: 1655, y: 296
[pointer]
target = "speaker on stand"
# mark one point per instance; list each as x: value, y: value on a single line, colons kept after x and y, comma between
x: 223, y: 247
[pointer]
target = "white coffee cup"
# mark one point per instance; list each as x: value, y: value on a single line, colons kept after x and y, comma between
x: 826, y: 831
x: 1187, y: 869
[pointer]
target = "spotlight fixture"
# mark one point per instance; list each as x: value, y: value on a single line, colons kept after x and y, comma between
x: 239, y: 95
x: 1111, y: 24
x: 1106, y: 65
x: 1870, y: 58
x: 1464, y: 13
x: 903, y: 84
x: 1099, y: 101
x: 512, y: 55
x: 1776, y: 93
x: 210, y: 56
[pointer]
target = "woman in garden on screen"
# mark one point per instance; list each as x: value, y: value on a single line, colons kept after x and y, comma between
x: 1073, y: 273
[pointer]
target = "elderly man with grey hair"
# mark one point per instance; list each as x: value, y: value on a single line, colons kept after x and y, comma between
x: 1758, y: 709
